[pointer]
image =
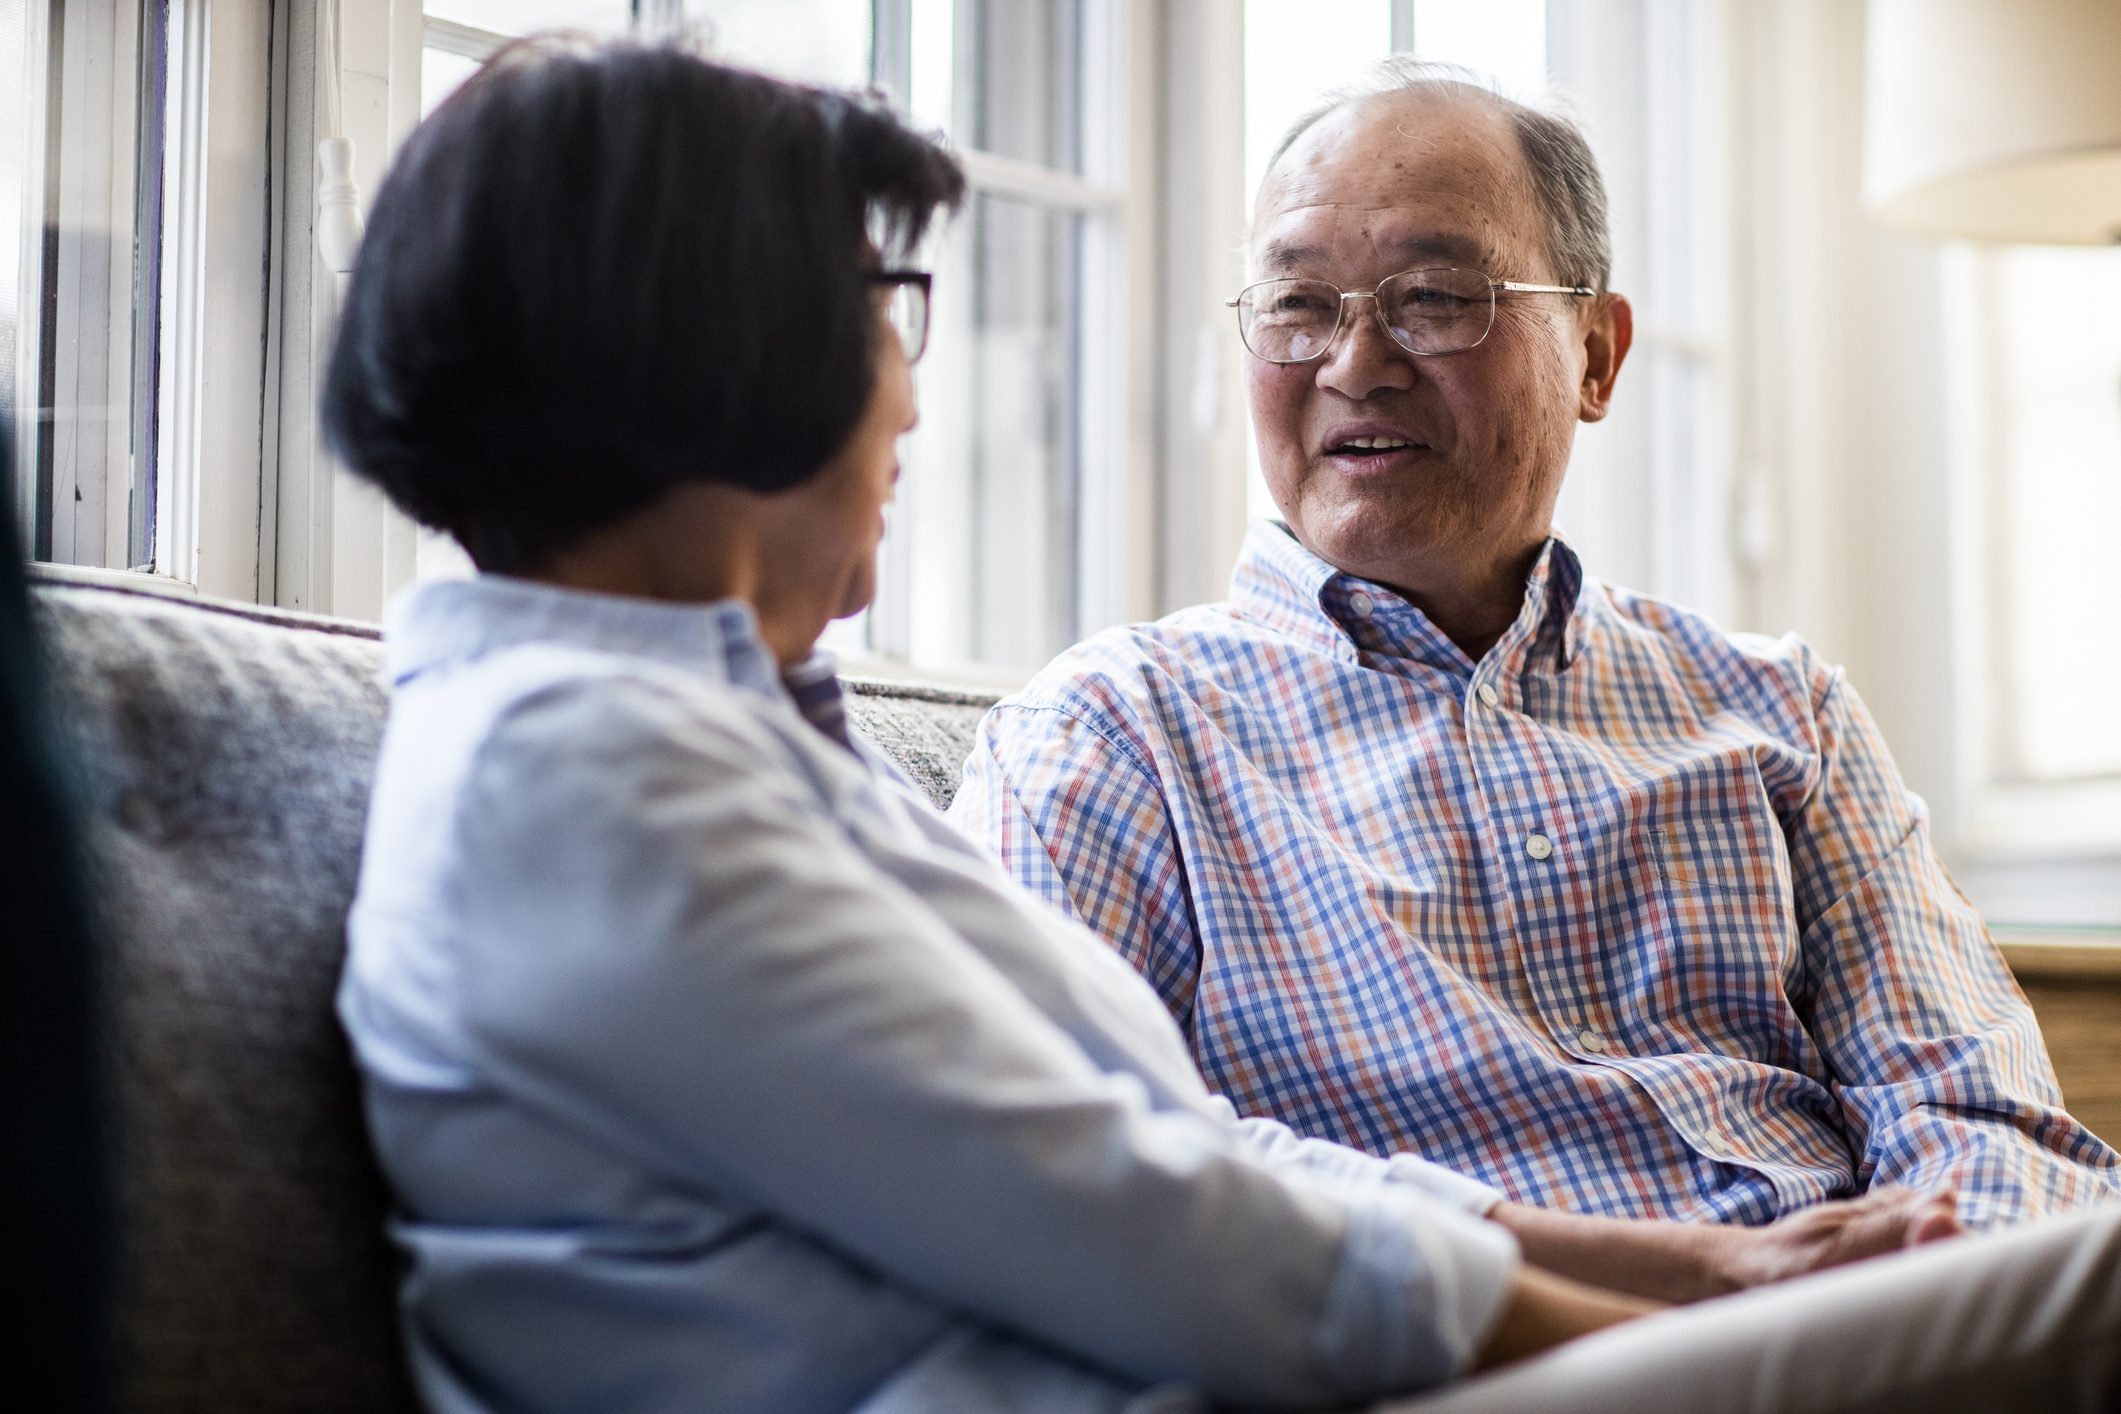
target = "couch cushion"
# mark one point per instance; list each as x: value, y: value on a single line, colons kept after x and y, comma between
x: 225, y: 757
x: 927, y: 730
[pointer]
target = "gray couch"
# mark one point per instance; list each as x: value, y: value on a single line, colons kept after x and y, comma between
x: 225, y: 754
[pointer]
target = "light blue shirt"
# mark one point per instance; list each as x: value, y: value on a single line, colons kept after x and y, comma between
x: 713, y: 1070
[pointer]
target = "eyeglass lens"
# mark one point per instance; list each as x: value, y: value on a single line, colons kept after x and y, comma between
x: 1424, y: 312
x: 909, y: 316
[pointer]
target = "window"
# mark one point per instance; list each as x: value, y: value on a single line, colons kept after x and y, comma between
x: 822, y: 41
x: 2054, y: 391
x: 81, y: 183
x: 994, y: 551
x: 997, y: 552
x: 2036, y: 426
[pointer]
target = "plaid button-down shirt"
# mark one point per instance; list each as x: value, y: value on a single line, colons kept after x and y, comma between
x: 1632, y: 916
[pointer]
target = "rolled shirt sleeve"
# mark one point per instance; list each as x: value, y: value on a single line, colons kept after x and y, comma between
x: 728, y: 986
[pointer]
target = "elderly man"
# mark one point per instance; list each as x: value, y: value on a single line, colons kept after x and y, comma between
x: 1435, y: 843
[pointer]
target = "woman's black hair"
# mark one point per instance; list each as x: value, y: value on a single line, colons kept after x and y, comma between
x: 598, y: 272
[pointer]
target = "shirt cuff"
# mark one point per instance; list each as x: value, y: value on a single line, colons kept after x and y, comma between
x: 1418, y: 1288
x: 1469, y: 1194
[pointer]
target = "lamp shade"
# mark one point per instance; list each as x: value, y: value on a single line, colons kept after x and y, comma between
x: 1995, y: 120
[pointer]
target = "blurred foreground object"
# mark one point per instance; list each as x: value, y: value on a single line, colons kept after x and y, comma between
x: 1995, y: 120
x: 54, y: 1165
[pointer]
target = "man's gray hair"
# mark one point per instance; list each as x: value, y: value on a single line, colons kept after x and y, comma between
x: 1556, y: 153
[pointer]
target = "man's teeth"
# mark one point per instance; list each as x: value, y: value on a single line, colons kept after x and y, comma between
x: 1374, y: 444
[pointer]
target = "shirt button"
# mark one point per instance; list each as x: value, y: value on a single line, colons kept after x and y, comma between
x: 1362, y: 604
x: 1538, y: 845
x: 1489, y: 695
x: 1590, y: 1040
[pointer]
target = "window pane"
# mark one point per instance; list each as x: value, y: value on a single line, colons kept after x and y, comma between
x: 988, y: 507
x: 815, y: 41
x: 1505, y: 40
x: 533, y: 16
x: 81, y: 175
x: 2057, y: 501
x: 14, y: 154
x: 440, y: 73
x: 1019, y: 80
x: 1295, y: 51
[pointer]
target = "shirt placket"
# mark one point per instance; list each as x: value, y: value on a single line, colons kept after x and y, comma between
x: 1536, y: 844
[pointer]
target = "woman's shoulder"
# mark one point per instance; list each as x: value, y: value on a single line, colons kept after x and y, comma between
x: 560, y: 707
x: 577, y: 729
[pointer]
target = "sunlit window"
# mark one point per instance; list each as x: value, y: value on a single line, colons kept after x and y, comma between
x: 984, y: 559
x: 81, y: 123
x: 819, y: 41
x: 2053, y: 505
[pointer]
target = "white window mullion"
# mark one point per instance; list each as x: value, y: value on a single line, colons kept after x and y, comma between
x: 214, y: 259
x: 1189, y: 159
x: 341, y: 547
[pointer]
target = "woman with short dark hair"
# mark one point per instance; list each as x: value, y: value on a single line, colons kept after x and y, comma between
x: 710, y: 1068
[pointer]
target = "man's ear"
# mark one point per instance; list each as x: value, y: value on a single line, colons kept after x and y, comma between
x: 1608, y: 333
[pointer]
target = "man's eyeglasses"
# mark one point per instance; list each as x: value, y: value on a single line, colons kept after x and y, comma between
x: 908, y: 308
x: 1422, y: 311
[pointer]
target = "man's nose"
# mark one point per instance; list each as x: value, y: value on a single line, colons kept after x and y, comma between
x: 1364, y: 359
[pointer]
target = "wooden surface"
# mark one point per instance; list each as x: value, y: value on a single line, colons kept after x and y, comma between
x: 2074, y: 983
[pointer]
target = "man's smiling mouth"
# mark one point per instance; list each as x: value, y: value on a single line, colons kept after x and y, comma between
x: 1360, y: 446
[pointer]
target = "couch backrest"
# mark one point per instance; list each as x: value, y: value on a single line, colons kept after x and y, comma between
x: 225, y: 754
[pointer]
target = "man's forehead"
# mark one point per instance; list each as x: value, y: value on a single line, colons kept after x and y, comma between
x: 1386, y: 233
x: 1427, y: 174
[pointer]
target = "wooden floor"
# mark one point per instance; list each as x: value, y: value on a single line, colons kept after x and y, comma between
x: 2075, y: 988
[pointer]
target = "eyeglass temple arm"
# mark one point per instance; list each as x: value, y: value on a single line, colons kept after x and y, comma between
x: 1520, y: 287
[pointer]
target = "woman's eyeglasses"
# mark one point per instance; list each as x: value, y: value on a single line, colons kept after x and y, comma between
x: 908, y: 308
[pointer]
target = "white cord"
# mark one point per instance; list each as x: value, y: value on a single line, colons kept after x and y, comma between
x: 338, y: 229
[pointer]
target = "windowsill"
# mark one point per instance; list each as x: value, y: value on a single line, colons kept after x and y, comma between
x: 2045, y: 896
x: 145, y: 580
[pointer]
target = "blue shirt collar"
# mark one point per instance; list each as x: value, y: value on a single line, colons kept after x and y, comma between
x: 1279, y: 583
x: 457, y: 620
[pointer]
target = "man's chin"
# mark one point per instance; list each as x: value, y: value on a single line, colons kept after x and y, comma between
x: 1374, y: 543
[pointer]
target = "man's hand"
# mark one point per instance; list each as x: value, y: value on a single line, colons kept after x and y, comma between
x: 1829, y: 1235
x: 1671, y: 1261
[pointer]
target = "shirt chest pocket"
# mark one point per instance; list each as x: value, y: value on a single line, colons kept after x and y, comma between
x: 1725, y: 880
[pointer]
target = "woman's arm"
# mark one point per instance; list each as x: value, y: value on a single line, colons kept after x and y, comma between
x: 669, y: 946
x: 1544, y: 1310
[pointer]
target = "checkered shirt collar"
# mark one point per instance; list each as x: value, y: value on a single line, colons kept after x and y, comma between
x: 1279, y: 583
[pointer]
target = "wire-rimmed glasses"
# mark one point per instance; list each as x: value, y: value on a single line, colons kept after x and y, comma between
x: 1438, y: 311
x: 908, y: 310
